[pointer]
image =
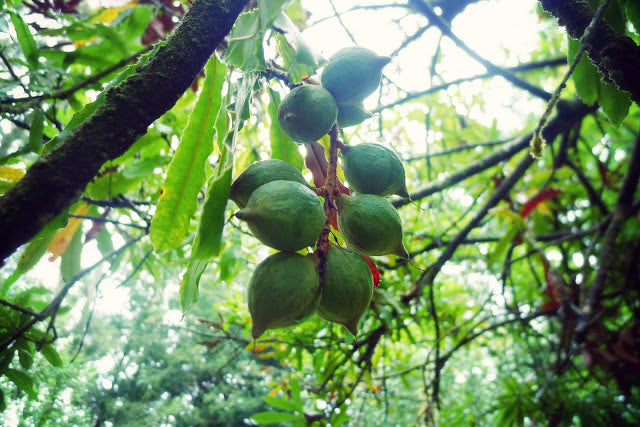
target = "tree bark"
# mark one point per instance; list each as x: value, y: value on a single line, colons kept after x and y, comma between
x: 57, y: 179
x: 616, y: 55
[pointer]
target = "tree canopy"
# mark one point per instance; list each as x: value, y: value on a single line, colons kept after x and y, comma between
x: 126, y: 270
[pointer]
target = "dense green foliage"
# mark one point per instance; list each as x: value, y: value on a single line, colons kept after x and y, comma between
x: 519, y: 305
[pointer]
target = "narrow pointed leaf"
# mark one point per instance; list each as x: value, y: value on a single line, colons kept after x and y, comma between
x: 209, y: 234
x: 37, y: 130
x: 585, y: 76
x: 70, y: 262
x: 186, y: 174
x: 189, y: 283
x: 282, y: 148
x: 25, y: 38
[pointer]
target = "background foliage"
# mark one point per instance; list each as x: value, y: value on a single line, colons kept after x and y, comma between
x: 520, y: 305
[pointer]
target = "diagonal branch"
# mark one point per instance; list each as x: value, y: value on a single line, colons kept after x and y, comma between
x: 444, y: 27
x: 57, y: 179
x: 567, y: 117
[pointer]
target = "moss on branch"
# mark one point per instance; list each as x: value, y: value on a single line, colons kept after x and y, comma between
x: 57, y: 179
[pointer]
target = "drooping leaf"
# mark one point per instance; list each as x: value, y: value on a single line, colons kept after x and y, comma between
x: 70, y: 260
x: 23, y: 381
x: 282, y: 147
x: 63, y: 237
x: 615, y: 102
x: 186, y: 174
x: 25, y: 38
x: 51, y: 354
x: 190, y: 282
x: 37, y: 130
x: 585, y: 76
x: 209, y: 234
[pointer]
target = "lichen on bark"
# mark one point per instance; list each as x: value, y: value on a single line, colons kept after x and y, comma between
x: 57, y: 179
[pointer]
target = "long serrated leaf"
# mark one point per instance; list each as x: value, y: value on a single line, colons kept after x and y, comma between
x: 282, y: 148
x: 25, y: 39
x: 585, y: 76
x: 186, y: 174
x: 23, y: 381
x: 268, y: 417
x: 189, y: 283
x: 615, y: 102
x: 70, y: 260
x: 37, y: 130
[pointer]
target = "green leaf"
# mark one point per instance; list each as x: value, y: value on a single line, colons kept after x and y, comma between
x: 104, y: 242
x: 263, y: 418
x: 51, y: 354
x: 34, y: 251
x: 282, y: 148
x: 26, y: 40
x: 25, y: 358
x: 190, y: 282
x: 504, y: 242
x: 281, y: 403
x: 37, y: 130
x: 70, y: 260
x: 304, y: 54
x: 245, y: 46
x: 82, y: 114
x: 585, y: 76
x: 615, y: 102
x: 209, y: 234
x: 295, y: 394
x: 186, y: 174
x: 269, y: 10
x: 23, y: 381
x: 3, y: 403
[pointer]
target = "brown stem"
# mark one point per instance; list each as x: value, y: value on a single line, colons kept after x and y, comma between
x: 330, y: 192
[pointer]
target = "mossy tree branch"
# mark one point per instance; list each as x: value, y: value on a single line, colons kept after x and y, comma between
x: 616, y: 55
x: 57, y: 179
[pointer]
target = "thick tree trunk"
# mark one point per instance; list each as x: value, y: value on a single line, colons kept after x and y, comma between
x: 57, y: 179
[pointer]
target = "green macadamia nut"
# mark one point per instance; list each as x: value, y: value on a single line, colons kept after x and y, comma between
x: 284, y: 215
